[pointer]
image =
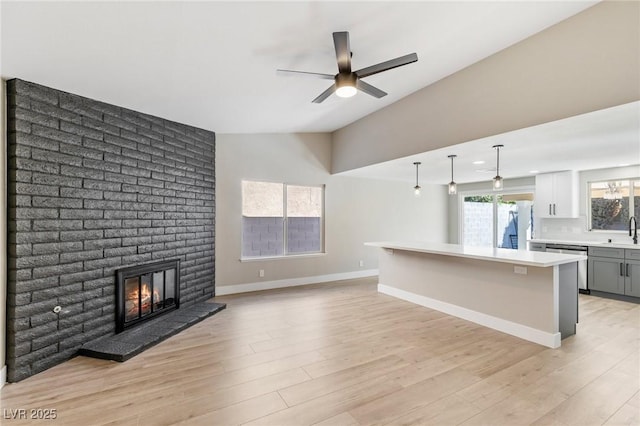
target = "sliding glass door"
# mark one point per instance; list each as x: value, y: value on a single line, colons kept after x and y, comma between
x: 496, y: 220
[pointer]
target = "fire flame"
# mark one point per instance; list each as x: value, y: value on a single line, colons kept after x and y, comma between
x: 145, y: 299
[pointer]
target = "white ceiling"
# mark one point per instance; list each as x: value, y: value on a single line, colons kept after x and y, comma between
x: 212, y: 65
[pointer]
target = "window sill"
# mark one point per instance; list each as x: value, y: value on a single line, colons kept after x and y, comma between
x: 289, y: 256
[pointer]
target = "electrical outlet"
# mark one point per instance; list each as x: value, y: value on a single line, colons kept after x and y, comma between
x: 361, y: 263
x: 522, y: 270
x: 261, y: 273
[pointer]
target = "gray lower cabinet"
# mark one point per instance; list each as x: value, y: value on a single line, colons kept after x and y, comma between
x: 632, y: 279
x: 614, y: 270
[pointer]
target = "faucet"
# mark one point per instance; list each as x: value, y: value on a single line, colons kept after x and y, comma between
x: 635, y: 229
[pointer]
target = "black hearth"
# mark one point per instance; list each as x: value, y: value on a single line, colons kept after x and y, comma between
x: 145, y: 291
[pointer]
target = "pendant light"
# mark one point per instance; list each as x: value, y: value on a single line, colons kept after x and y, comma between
x: 453, y: 188
x: 416, y: 189
x: 497, y: 181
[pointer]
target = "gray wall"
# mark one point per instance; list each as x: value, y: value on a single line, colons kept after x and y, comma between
x: 92, y: 188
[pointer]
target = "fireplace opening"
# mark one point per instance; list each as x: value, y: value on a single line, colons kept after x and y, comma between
x: 145, y: 291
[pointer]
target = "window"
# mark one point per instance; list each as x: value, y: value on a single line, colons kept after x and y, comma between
x: 281, y: 220
x: 612, y: 203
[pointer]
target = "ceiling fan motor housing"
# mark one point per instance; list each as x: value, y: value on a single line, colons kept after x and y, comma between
x: 346, y: 79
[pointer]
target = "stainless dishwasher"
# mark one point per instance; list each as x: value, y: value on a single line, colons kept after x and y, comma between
x: 582, y: 265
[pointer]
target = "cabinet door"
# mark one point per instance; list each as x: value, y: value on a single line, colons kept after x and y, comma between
x: 565, y: 202
x: 606, y: 274
x: 543, y: 205
x: 632, y: 279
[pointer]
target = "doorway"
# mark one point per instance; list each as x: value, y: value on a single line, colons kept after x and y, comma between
x: 497, y: 220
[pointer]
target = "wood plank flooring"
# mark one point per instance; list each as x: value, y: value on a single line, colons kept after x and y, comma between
x: 342, y: 354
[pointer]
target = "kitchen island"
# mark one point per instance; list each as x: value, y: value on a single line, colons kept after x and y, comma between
x: 531, y: 295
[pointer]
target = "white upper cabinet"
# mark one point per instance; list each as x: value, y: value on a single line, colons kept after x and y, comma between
x: 557, y: 194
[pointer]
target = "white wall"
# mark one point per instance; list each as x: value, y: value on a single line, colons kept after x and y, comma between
x: 578, y: 229
x: 585, y: 63
x: 356, y: 210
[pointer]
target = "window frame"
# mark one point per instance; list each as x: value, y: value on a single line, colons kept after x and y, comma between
x: 286, y: 254
x: 632, y: 212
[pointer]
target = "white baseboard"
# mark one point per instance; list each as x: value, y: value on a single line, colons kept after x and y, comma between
x: 3, y: 376
x: 292, y: 282
x: 551, y: 340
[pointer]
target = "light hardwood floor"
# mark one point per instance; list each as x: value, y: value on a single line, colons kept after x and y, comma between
x: 342, y: 354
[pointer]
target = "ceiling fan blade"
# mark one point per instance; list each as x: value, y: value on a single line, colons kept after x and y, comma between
x: 370, y: 90
x: 324, y: 95
x: 343, y: 51
x: 311, y: 74
x: 387, y: 65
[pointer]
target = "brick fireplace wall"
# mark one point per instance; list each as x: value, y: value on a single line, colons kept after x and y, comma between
x: 92, y: 188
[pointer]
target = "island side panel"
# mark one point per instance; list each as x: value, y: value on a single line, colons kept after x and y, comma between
x: 486, y: 287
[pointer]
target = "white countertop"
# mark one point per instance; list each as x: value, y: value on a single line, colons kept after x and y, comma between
x: 518, y: 257
x: 629, y: 246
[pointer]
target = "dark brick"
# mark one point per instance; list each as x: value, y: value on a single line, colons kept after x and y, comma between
x: 80, y: 255
x: 48, y: 179
x: 102, y: 263
x: 56, y: 135
x: 81, y: 130
x: 119, y: 142
x: 98, y: 204
x: 103, y: 243
x: 136, y: 259
x: 81, y: 193
x: 101, y: 145
x: 134, y: 241
x: 120, y: 214
x: 81, y: 172
x: 118, y: 122
x: 57, y: 270
x: 102, y: 224
x: 102, y: 185
x: 98, y: 283
x: 79, y: 105
x: 36, y: 141
x: 39, y: 260
x: 80, y: 276
x: 135, y: 136
x: 134, y: 171
x: 115, y: 233
x: 46, y: 248
x: 101, y: 165
x: 80, y: 213
x: 82, y: 152
x: 100, y: 126
x: 55, y: 292
x: 36, y: 118
x: 81, y: 235
x: 136, y: 154
x: 54, y: 157
x: 120, y: 196
x: 35, y: 166
x: 136, y: 223
x: 33, y: 213
x: 136, y: 189
x: 114, y: 177
x: 37, y: 237
x: 46, y: 225
x: 33, y: 91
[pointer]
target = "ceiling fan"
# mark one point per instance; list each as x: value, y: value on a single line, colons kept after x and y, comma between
x: 348, y: 82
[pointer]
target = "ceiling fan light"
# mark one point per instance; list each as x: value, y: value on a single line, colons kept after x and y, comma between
x: 346, y: 91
